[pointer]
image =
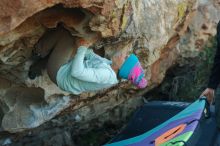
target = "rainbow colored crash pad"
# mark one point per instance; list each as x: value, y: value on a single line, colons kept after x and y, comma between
x: 174, y: 132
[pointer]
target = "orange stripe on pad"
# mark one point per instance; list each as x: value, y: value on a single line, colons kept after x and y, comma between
x: 169, y: 134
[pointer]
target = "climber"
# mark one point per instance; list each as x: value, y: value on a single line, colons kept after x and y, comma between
x: 214, y: 80
x: 80, y: 70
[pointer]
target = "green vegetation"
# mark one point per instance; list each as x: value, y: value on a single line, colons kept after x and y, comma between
x: 186, y: 83
x: 195, y: 77
x: 100, y: 135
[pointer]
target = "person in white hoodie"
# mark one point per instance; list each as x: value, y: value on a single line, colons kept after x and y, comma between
x: 80, y: 70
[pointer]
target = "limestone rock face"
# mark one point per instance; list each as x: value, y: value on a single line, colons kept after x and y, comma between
x: 202, y: 27
x: 149, y: 28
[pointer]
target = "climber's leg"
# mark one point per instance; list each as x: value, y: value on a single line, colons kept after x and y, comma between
x: 46, y: 43
x: 65, y: 48
x: 41, y: 52
x: 36, y: 68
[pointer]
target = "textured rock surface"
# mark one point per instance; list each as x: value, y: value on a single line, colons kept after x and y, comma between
x: 152, y: 28
x: 202, y: 27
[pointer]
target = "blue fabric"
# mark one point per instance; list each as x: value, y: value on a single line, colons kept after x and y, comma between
x: 127, y: 66
x: 86, y: 72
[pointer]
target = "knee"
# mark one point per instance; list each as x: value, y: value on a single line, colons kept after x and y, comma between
x: 46, y: 43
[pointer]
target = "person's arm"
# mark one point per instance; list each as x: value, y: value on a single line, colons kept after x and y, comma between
x: 214, y: 79
x: 96, y: 75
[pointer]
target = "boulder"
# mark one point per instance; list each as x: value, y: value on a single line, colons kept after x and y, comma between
x: 151, y: 29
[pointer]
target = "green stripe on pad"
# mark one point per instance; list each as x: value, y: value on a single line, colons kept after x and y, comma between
x: 183, y: 137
